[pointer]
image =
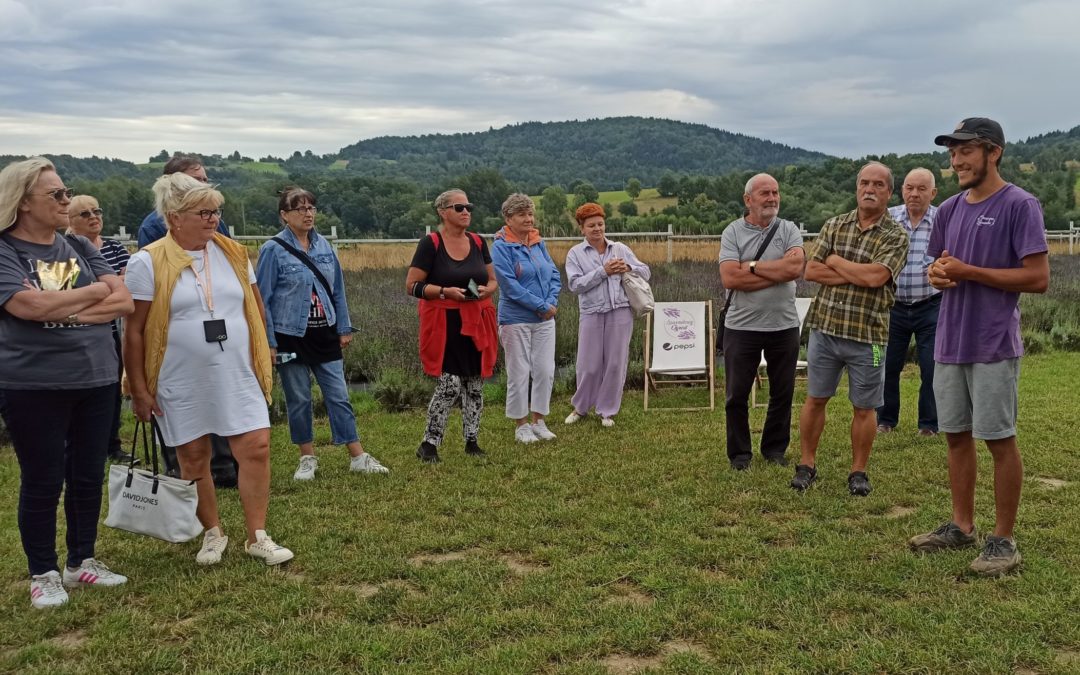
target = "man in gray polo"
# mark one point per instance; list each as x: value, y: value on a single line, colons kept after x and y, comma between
x: 761, y: 318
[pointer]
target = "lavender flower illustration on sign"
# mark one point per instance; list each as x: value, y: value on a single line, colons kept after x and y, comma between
x: 673, y: 313
x: 687, y: 334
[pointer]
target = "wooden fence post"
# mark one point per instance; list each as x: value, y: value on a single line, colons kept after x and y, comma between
x: 670, y: 241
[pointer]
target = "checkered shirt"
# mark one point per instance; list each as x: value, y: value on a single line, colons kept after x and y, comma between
x: 849, y: 311
x: 912, y: 284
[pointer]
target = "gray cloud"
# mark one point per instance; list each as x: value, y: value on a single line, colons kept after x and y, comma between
x: 126, y: 78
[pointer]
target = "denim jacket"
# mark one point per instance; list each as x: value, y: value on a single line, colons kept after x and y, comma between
x: 597, y: 292
x: 285, y: 284
x: 529, y: 281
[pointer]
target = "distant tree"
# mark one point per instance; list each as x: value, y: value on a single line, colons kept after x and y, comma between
x: 235, y: 157
x: 162, y: 156
x: 633, y: 188
x: 553, y: 208
x: 628, y: 208
x: 486, y: 188
x: 668, y: 185
x: 588, y: 191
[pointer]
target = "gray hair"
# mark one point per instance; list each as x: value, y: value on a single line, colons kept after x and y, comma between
x: 16, y: 181
x: 921, y: 170
x: 516, y: 203
x: 750, y: 183
x: 178, y: 192
x: 887, y: 171
x: 443, y: 200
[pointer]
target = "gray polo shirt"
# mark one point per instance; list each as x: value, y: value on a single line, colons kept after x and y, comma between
x: 771, y: 308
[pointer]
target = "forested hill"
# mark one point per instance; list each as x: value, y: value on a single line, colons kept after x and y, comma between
x: 603, y: 151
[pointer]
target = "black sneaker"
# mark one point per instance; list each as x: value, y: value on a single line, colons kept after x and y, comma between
x: 804, y: 477
x: 778, y: 460
x: 858, y: 484
x: 474, y: 450
x: 428, y: 453
x: 740, y: 463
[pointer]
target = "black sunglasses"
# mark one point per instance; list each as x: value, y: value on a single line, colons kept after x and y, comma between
x: 91, y: 212
x: 462, y: 207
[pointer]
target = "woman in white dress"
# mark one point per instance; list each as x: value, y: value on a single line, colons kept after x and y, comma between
x: 198, y: 359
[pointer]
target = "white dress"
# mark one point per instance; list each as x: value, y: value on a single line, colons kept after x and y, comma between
x: 203, y: 388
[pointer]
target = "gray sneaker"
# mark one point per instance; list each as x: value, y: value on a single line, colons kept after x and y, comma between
x: 999, y: 557
x: 945, y: 537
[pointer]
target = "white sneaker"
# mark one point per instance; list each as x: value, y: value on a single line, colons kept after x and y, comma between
x: 46, y: 590
x: 213, y: 547
x: 266, y: 550
x: 92, y: 573
x: 365, y: 463
x: 306, y: 470
x: 572, y: 417
x: 541, y: 431
x: 524, y: 434
x: 608, y: 422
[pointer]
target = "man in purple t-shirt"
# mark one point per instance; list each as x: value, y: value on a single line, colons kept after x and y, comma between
x: 989, y: 246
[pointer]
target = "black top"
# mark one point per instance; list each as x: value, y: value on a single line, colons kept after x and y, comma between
x: 461, y: 356
x: 320, y: 343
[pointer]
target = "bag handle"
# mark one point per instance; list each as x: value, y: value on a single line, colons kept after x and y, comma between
x: 757, y: 256
x: 304, y: 258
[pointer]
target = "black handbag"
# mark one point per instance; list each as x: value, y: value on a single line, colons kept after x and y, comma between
x: 731, y: 294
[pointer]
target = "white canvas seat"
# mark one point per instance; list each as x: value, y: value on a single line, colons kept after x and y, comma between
x: 802, y: 306
x: 680, y: 343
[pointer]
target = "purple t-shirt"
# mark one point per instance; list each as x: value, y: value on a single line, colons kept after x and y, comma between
x: 978, y: 323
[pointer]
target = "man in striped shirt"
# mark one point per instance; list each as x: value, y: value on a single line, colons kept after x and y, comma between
x: 916, y: 310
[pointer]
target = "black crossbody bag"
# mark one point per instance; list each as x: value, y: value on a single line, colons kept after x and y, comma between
x: 731, y: 294
x: 304, y: 258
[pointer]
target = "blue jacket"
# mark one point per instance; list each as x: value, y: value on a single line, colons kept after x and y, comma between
x: 153, y: 228
x: 529, y: 281
x: 285, y: 284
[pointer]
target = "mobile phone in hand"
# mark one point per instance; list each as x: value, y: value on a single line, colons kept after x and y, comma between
x: 472, y: 290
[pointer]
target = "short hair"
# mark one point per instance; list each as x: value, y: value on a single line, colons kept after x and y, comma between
x: 293, y: 196
x: 180, y: 164
x: 178, y: 191
x: 750, y: 183
x: 516, y: 203
x: 80, y: 203
x: 888, y: 172
x: 586, y: 211
x: 928, y: 172
x: 16, y: 181
x: 443, y: 200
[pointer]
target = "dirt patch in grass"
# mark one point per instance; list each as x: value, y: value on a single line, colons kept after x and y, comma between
x: 1050, y: 483
x: 406, y: 588
x: 897, y: 512
x: 70, y: 640
x: 361, y: 590
x: 289, y: 574
x: 422, y: 559
x: 626, y: 593
x: 622, y: 664
x: 1069, y: 658
x: 520, y: 566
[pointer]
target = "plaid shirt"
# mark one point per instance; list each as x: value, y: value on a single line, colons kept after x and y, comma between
x: 849, y: 311
x: 912, y: 284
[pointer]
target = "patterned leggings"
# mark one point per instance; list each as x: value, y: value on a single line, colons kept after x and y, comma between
x: 471, y: 390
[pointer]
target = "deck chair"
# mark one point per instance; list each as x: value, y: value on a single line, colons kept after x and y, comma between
x: 802, y: 306
x: 679, y: 344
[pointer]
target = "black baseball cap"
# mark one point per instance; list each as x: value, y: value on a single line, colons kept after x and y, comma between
x: 973, y: 128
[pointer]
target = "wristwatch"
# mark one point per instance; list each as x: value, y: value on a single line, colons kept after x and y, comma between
x: 753, y: 267
x: 442, y: 293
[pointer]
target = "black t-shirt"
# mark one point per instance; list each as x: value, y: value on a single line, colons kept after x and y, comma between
x: 320, y: 343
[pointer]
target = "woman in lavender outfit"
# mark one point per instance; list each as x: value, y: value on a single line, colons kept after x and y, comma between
x: 594, y: 270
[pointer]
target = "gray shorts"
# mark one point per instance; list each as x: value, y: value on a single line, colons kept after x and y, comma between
x: 827, y: 356
x: 977, y: 397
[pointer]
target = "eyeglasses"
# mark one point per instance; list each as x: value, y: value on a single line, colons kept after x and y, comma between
x: 462, y: 207
x: 59, y: 194
x: 91, y: 212
x: 305, y: 209
x: 207, y: 214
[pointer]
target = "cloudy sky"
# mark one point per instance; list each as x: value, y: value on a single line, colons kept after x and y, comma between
x: 127, y: 78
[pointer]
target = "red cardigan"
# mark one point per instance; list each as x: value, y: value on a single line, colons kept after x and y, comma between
x: 478, y: 321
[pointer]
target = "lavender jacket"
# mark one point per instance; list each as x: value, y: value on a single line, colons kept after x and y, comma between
x: 596, y: 291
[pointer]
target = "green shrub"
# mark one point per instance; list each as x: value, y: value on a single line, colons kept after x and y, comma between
x: 397, y: 391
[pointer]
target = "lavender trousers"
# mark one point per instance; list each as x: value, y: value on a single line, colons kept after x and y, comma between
x: 603, y: 350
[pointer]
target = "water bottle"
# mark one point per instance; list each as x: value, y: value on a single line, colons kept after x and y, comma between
x: 284, y: 357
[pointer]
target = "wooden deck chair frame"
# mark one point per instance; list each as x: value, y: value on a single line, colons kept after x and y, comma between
x: 803, y: 308
x: 707, y: 375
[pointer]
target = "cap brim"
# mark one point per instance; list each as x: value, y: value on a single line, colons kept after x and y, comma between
x: 958, y: 136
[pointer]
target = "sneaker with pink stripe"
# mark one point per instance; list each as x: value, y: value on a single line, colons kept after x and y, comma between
x: 92, y: 573
x: 47, y: 591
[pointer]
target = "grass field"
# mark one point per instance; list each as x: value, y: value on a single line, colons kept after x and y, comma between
x: 605, y: 551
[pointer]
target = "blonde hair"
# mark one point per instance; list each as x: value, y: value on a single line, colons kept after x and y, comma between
x: 80, y: 203
x: 16, y: 181
x: 178, y: 192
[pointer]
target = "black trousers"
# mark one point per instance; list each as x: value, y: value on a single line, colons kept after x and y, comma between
x: 742, y: 354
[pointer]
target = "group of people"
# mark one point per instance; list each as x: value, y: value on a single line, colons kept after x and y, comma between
x: 204, y: 328
x: 949, y: 276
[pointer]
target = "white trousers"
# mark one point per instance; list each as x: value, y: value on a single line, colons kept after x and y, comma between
x: 529, y: 350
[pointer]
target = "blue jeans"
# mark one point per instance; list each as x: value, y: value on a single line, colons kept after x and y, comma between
x: 919, y: 320
x: 296, y: 382
x: 61, y: 437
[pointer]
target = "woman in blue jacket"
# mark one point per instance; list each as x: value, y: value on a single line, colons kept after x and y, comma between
x: 529, y: 285
x: 307, y: 323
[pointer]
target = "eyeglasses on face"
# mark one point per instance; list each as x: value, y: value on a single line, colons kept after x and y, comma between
x: 305, y: 209
x: 206, y: 214
x: 59, y: 194
x: 89, y: 213
x: 462, y: 207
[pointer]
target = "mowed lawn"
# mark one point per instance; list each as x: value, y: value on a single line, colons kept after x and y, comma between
x: 605, y: 551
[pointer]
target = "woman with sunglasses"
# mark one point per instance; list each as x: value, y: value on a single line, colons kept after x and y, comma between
x: 85, y: 220
x: 198, y: 360
x: 59, y: 377
x: 308, y: 325
x: 452, y: 276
